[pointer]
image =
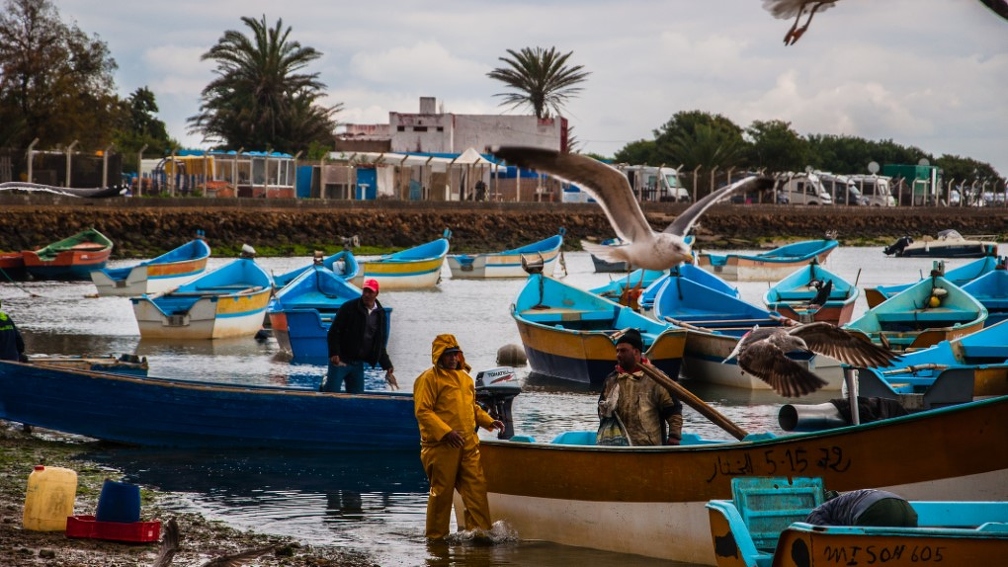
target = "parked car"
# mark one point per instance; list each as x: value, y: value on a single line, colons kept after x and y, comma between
x: 803, y: 189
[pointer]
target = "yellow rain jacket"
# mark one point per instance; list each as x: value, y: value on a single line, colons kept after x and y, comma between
x: 445, y: 400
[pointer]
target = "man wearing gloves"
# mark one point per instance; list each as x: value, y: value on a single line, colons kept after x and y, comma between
x: 640, y: 405
x: 444, y: 398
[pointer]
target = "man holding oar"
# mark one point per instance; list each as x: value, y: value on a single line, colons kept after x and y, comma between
x: 641, y: 406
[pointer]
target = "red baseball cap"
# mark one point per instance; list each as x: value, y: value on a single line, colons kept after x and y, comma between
x: 371, y: 284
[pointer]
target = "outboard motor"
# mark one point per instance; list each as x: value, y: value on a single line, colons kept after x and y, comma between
x: 496, y: 389
x: 836, y: 413
x: 898, y: 246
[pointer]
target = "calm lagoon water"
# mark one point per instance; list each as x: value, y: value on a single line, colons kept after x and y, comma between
x: 372, y: 502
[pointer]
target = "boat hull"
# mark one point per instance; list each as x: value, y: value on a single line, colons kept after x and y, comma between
x: 212, y: 317
x: 541, y: 490
x: 12, y: 266
x: 506, y: 264
x: 69, y: 259
x: 768, y: 266
x: 411, y: 269
x: 162, y: 412
x: 155, y: 276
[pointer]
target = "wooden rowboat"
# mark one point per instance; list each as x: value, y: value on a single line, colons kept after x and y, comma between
x: 72, y: 258
x: 414, y: 268
x: 508, y: 263
x: 959, y: 276
x: 793, y: 296
x: 651, y: 500
x: 157, y: 275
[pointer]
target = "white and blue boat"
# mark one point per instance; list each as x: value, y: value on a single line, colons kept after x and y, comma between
x: 414, y: 268
x: 156, y: 275
x: 991, y: 290
x: 813, y: 293
x: 228, y: 302
x: 769, y: 266
x: 302, y: 311
x: 508, y: 263
x: 342, y: 263
x: 959, y: 276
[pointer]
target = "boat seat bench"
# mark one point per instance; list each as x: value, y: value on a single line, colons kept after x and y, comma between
x: 947, y: 317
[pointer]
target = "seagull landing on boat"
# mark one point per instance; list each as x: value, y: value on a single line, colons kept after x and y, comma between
x: 647, y: 249
x: 763, y: 352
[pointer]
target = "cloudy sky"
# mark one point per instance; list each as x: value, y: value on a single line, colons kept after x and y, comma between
x: 927, y: 73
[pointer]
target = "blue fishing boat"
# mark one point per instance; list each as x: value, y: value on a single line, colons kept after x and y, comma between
x: 170, y: 412
x: 414, y: 268
x: 508, y: 263
x: 629, y: 289
x: 342, y: 263
x: 570, y: 334
x: 813, y: 293
x: 302, y: 311
x: 715, y: 318
x: 932, y: 310
x: 763, y: 525
x: 157, y: 275
x: 769, y: 266
x: 690, y: 272
x: 991, y: 290
x: 959, y: 276
x: 949, y: 372
x: 224, y: 303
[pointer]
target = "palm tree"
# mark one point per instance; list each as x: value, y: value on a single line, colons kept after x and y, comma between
x: 541, y: 78
x: 261, y: 98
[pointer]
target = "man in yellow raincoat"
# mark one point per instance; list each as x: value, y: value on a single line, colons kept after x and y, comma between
x: 444, y: 398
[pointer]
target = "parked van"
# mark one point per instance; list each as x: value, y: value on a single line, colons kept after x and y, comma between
x: 877, y: 189
x: 652, y: 183
x: 803, y: 189
x: 842, y: 190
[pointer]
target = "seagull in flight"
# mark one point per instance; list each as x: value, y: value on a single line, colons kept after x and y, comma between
x: 647, y: 249
x: 787, y: 9
x: 762, y: 352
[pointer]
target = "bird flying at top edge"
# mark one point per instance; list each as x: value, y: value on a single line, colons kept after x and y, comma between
x: 763, y: 352
x: 787, y: 9
x: 646, y: 249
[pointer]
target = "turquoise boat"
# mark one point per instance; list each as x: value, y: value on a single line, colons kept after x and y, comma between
x: 508, y: 263
x: 931, y: 310
x: 157, y: 275
x: 769, y: 266
x: 793, y: 296
x: 414, y: 268
x: 342, y: 263
x: 715, y: 318
x: 763, y: 526
x: 301, y: 313
x: 624, y: 287
x: 570, y: 334
x: 949, y: 372
x: 959, y: 276
x: 991, y: 290
x: 227, y: 302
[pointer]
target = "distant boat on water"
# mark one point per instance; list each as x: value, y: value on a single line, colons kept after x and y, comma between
x: 72, y: 258
x: 769, y: 266
x: 157, y: 275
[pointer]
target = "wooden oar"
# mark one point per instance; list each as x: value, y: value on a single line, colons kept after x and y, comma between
x: 690, y: 399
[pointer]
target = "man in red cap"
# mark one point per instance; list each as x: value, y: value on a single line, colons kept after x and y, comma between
x: 356, y: 336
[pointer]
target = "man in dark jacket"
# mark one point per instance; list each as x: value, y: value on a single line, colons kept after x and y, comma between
x: 357, y: 336
x: 12, y: 345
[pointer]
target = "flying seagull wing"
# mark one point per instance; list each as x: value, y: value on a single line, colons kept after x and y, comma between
x: 605, y: 183
x: 771, y: 365
x: 682, y: 224
x: 851, y: 348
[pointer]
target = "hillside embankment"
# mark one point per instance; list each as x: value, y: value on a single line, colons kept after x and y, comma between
x: 144, y: 227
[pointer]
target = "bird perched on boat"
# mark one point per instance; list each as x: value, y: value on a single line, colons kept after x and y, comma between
x: 170, y: 546
x: 786, y: 9
x: 646, y: 249
x: 763, y: 352
x: 823, y: 292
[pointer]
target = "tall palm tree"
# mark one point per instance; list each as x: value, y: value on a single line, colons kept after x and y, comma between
x: 260, y: 97
x: 541, y: 79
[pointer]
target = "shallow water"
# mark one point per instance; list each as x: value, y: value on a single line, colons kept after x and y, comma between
x: 374, y: 503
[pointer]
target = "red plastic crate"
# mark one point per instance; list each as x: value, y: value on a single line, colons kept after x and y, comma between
x: 133, y: 532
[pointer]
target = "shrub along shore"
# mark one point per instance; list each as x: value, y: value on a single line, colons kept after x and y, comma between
x: 145, y: 227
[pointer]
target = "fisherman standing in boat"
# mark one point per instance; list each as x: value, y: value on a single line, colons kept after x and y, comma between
x: 12, y: 346
x: 444, y: 400
x: 358, y: 335
x: 640, y: 406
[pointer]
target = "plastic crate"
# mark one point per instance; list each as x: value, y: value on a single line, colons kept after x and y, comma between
x: 132, y: 532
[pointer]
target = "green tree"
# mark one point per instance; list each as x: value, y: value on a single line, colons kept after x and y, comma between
x: 697, y: 138
x: 140, y: 127
x: 640, y: 152
x: 261, y: 97
x: 56, y: 82
x: 539, y: 78
x: 774, y: 146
